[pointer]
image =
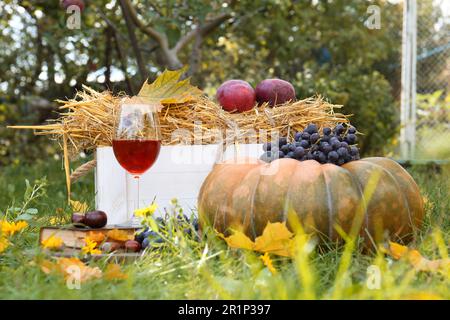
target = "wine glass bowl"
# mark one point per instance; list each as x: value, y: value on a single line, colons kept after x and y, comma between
x: 137, y: 138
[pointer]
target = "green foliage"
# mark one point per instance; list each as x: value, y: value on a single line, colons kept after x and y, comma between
x: 323, y: 47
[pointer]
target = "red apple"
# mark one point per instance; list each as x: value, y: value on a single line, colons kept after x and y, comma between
x: 274, y: 91
x: 236, y: 95
x: 68, y: 3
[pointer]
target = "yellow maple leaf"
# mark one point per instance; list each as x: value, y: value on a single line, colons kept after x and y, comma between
x: 420, y: 263
x: 98, y: 237
x: 52, y: 243
x: 77, y: 206
x: 169, y: 89
x: 276, y: 239
x: 118, y: 235
x: 238, y: 240
x: 268, y: 262
x: 67, y: 266
x: 113, y: 272
x: 90, y: 247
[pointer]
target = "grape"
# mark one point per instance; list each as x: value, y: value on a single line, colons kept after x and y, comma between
x: 326, y: 131
x: 322, y: 157
x: 325, y: 138
x: 316, y: 155
x: 139, y: 237
x: 314, y: 137
x: 345, y: 145
x: 311, y: 128
x: 335, y: 143
x: 285, y: 148
x: 304, y: 144
x: 333, y: 156
x: 314, y: 147
x: 266, y: 156
x: 282, y: 141
x: 305, y: 136
x: 195, y: 224
x: 339, y: 129
x: 299, y: 153
x: 342, y: 152
x: 319, y: 156
x: 351, y: 138
x: 290, y: 154
x: 267, y: 146
x: 292, y: 146
x: 145, y: 243
x: 325, y: 147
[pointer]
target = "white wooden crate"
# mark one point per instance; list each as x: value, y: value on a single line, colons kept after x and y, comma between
x: 178, y: 173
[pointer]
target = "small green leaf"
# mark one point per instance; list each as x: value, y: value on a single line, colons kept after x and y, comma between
x: 32, y: 211
x: 25, y: 217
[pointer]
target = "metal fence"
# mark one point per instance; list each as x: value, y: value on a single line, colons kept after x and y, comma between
x: 425, y: 98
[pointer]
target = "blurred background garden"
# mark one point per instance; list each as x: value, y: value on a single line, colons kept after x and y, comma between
x: 322, y: 47
x: 351, y: 52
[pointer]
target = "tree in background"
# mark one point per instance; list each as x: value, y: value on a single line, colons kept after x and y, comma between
x: 323, y: 47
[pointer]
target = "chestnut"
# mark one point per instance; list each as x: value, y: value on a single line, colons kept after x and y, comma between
x: 78, y: 218
x: 132, y: 246
x: 109, y: 247
x: 95, y: 219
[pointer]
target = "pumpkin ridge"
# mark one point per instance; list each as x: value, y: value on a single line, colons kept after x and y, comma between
x: 412, y: 184
x: 405, y: 201
x: 252, y: 202
x: 362, y: 199
x: 329, y: 203
x: 287, y: 199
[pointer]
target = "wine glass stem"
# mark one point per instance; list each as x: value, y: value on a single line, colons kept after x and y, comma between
x: 135, y: 220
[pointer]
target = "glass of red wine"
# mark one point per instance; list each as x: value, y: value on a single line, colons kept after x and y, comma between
x: 137, y: 140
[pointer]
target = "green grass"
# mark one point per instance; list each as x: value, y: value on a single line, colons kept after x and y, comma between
x: 187, y: 269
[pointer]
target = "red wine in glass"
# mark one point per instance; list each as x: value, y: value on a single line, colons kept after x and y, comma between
x: 137, y: 140
x: 136, y: 156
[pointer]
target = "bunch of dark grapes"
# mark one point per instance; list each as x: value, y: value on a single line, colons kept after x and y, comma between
x: 333, y: 145
x: 151, y: 239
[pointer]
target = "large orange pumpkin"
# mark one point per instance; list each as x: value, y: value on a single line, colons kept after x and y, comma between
x: 248, y: 196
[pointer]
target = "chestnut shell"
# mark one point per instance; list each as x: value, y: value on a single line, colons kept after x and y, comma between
x: 96, y: 219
